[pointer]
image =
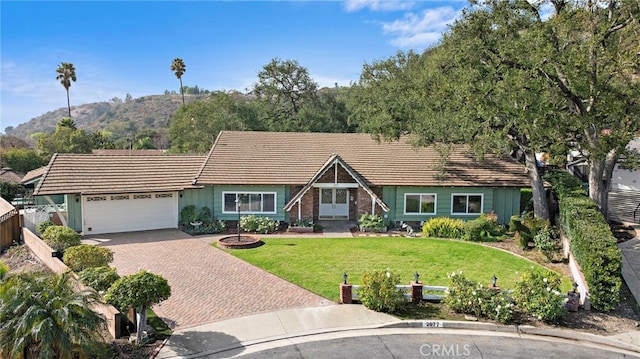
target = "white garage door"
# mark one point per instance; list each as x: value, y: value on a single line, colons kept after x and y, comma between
x: 112, y: 213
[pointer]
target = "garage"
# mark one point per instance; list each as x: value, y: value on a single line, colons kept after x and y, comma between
x: 112, y: 213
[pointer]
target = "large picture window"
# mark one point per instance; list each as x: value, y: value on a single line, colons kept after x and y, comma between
x: 419, y: 203
x: 466, y: 204
x: 250, y: 202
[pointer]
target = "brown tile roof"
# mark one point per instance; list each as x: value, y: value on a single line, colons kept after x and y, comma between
x: 9, y: 175
x: 34, y: 174
x: 93, y: 174
x: 294, y: 158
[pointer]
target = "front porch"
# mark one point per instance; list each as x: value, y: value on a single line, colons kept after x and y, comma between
x: 334, y: 193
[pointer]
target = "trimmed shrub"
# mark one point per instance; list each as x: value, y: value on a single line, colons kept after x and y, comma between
x: 188, y: 214
x: 546, y: 241
x: 443, y: 227
x: 59, y: 238
x: 371, y: 222
x: 42, y: 226
x: 83, y: 256
x: 210, y: 228
x: 537, y: 293
x: 594, y: 248
x: 378, y: 292
x: 534, y: 224
x: 205, y: 215
x: 469, y: 297
x: 258, y: 224
x: 99, y: 278
x: 562, y: 182
x: 486, y: 225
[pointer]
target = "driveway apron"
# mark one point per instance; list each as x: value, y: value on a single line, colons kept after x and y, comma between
x: 207, y: 284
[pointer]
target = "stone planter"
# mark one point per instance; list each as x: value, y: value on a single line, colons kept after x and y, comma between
x: 373, y: 230
x: 296, y: 229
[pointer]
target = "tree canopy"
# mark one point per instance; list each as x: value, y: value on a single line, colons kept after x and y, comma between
x: 506, y: 78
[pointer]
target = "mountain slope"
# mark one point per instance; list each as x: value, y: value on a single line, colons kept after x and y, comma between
x: 148, y: 113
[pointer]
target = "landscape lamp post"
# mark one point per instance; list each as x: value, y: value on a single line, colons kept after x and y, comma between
x: 238, y: 202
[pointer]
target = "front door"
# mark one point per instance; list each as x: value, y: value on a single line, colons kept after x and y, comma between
x: 334, y: 203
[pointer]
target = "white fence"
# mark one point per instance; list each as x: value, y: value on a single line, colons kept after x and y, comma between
x: 406, y: 289
x: 34, y: 215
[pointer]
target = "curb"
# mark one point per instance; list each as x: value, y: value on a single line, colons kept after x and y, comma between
x: 518, y: 329
x: 435, y: 325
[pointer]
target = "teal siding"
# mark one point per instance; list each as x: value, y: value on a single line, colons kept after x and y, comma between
x: 389, y: 197
x: 507, y: 203
x: 504, y: 201
x: 201, y: 197
x: 280, y: 200
x: 74, y: 213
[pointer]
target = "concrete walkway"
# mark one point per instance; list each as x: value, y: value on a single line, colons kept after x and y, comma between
x: 631, y: 274
x: 231, y: 336
x: 631, y: 262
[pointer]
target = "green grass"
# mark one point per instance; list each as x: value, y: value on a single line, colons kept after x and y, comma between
x: 317, y: 264
x: 160, y: 327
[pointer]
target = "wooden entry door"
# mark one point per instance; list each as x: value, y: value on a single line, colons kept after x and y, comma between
x: 334, y: 203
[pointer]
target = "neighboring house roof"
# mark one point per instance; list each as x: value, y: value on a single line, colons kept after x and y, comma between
x: 9, y: 175
x: 295, y: 158
x: 34, y: 175
x: 94, y: 174
x: 128, y: 152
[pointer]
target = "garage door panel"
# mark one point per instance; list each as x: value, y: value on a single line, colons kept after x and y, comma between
x: 125, y: 213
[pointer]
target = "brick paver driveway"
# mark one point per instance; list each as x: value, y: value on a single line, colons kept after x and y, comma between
x: 207, y: 284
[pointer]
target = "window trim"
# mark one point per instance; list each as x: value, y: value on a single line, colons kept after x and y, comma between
x: 467, y: 207
x: 275, y: 202
x: 435, y: 204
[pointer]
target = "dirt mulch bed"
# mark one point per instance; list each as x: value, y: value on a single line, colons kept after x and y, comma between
x: 624, y: 318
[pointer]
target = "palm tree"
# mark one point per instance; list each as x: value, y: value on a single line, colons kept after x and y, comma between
x: 66, y: 73
x: 42, y: 316
x: 179, y: 68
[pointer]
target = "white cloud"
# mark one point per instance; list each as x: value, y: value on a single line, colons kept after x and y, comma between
x: 421, y: 30
x: 378, y: 5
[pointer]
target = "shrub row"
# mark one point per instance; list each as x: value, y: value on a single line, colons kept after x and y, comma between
x: 594, y: 248
x: 486, y: 225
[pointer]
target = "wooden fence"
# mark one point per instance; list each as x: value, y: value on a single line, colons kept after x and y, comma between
x: 9, y: 224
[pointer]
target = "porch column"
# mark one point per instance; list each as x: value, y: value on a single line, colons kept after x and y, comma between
x: 299, y: 208
x: 373, y: 205
x: 55, y: 208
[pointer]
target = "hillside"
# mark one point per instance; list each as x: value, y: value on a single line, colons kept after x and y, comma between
x: 149, y: 114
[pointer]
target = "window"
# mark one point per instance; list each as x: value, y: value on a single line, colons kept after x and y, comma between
x: 466, y: 204
x: 250, y: 202
x: 419, y: 203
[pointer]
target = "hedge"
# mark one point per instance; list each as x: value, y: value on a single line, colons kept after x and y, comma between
x: 594, y: 248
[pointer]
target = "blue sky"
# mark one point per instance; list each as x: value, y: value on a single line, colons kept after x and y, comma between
x: 120, y: 47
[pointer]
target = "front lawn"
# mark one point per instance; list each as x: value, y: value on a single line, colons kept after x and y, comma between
x: 317, y: 264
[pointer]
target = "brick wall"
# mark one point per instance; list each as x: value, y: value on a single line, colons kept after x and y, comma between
x: 364, y: 202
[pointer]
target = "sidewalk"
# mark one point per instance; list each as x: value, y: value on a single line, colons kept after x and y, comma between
x: 631, y: 273
x: 631, y: 262
x: 233, y: 334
